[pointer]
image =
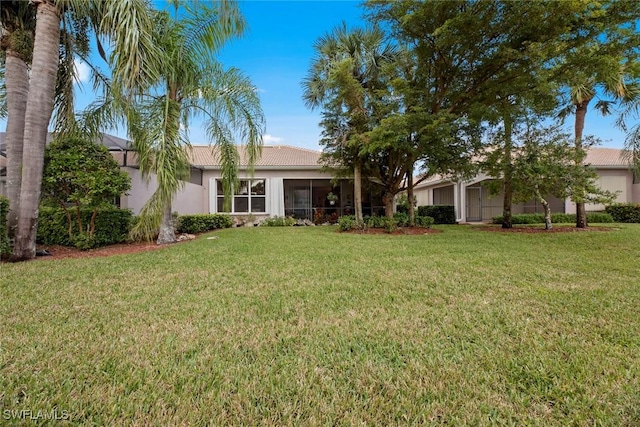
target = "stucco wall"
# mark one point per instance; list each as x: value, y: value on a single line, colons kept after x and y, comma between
x: 189, y: 200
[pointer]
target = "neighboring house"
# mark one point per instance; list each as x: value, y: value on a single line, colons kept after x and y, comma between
x: 472, y: 202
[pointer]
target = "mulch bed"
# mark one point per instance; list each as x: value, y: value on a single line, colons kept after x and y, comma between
x: 60, y: 252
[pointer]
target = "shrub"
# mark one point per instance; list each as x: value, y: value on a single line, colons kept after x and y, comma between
x: 347, y: 223
x: 374, y: 221
x: 5, y: 248
x: 424, y: 221
x: 402, y: 219
x: 389, y: 224
x: 624, y: 212
x: 599, y: 218
x: 200, y: 223
x: 278, y: 221
x: 441, y: 214
x: 556, y: 218
x: 112, y: 226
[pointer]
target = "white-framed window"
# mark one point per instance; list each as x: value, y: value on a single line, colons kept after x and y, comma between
x: 249, y: 197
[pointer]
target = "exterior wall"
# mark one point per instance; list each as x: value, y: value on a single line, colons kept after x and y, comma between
x: 189, y: 200
x: 271, y: 176
x: 614, y: 180
x: 3, y: 190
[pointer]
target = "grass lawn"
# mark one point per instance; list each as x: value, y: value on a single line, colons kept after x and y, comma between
x: 307, y: 326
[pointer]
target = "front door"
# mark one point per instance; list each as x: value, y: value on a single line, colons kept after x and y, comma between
x: 474, y: 204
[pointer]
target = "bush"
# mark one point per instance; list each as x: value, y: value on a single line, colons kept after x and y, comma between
x: 424, y: 221
x: 112, y: 226
x: 556, y: 218
x: 373, y: 221
x: 347, y: 223
x: 278, y: 221
x: 441, y: 214
x: 389, y: 224
x: 5, y: 248
x: 200, y: 223
x: 624, y: 212
x: 402, y: 218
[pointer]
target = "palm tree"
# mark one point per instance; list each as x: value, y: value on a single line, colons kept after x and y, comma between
x: 18, y: 21
x: 127, y: 24
x: 611, y: 80
x: 343, y: 75
x: 192, y: 84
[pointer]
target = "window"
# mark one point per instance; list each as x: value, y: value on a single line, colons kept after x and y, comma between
x: 248, y: 197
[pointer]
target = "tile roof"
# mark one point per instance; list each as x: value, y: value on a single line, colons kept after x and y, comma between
x: 272, y: 156
x: 606, y: 157
x: 596, y: 157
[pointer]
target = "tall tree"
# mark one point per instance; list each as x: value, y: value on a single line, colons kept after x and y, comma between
x: 471, y: 54
x: 342, y: 79
x: 192, y: 84
x: 128, y: 25
x: 600, y: 68
x: 18, y: 22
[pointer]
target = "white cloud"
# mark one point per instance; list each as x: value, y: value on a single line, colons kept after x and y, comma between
x: 82, y: 71
x: 269, y: 139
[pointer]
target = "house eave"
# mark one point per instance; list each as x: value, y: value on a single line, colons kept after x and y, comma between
x: 245, y: 168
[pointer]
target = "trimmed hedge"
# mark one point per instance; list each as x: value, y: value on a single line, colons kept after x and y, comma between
x: 278, y: 221
x: 441, y: 214
x: 624, y: 212
x: 556, y: 218
x: 5, y: 248
x: 400, y: 219
x: 200, y: 223
x: 111, y: 226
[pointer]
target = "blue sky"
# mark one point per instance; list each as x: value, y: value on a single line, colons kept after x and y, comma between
x: 276, y: 52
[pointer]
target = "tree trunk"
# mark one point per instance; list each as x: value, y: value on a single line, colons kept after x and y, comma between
x: 507, y: 221
x: 17, y: 83
x: 39, y: 107
x: 167, y: 234
x: 388, y: 199
x: 357, y: 190
x: 547, y: 214
x: 410, y: 196
x: 581, y: 113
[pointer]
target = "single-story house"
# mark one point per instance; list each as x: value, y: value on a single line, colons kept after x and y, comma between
x: 287, y: 181
x: 472, y: 202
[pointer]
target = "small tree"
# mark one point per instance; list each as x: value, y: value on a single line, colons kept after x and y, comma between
x: 548, y: 164
x: 81, y: 174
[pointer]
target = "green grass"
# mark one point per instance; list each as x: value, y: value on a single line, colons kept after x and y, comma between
x: 307, y: 326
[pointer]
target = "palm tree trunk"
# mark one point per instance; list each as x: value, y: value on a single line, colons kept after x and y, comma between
x: 167, y: 234
x: 581, y: 113
x: 38, y: 113
x: 17, y: 82
x: 357, y: 190
x: 507, y: 201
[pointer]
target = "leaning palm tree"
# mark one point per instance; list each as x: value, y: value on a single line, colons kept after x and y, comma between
x: 192, y: 84
x: 344, y: 73
x: 127, y: 24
